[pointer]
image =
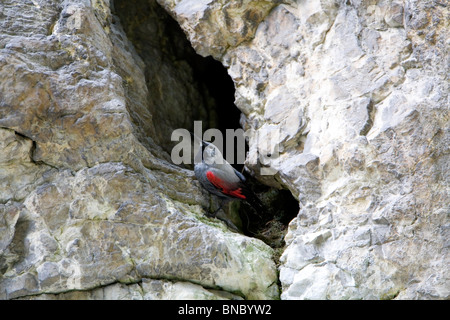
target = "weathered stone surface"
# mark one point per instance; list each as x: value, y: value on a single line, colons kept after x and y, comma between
x: 215, y: 25
x: 8, y: 219
x: 147, y: 289
x: 105, y: 225
x: 359, y: 93
x: 88, y: 201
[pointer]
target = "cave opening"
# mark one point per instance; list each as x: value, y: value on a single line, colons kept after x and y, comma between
x: 205, y: 92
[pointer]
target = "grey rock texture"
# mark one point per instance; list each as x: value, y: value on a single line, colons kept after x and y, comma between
x: 358, y: 92
x: 147, y: 289
x: 90, y: 205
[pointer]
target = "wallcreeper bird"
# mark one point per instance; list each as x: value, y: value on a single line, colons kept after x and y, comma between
x: 218, y: 176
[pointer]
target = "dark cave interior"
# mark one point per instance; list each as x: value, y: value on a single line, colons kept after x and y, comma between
x: 217, y: 91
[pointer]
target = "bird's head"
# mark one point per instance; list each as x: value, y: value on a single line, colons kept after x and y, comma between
x: 211, y: 154
x: 207, y: 152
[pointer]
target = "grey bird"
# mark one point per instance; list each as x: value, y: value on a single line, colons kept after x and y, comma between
x: 217, y: 176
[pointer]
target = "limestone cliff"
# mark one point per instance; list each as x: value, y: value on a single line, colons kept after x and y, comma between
x: 91, y: 206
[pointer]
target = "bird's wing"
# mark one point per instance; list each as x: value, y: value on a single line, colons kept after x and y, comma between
x: 230, y: 189
x: 240, y: 175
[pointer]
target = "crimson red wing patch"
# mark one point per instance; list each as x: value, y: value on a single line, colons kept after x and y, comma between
x: 218, y: 183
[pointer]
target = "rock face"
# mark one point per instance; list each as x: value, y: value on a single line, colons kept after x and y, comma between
x: 89, y: 203
x: 92, y: 208
x: 358, y: 92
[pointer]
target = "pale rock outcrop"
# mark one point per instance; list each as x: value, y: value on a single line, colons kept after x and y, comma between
x: 147, y: 289
x: 358, y: 94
